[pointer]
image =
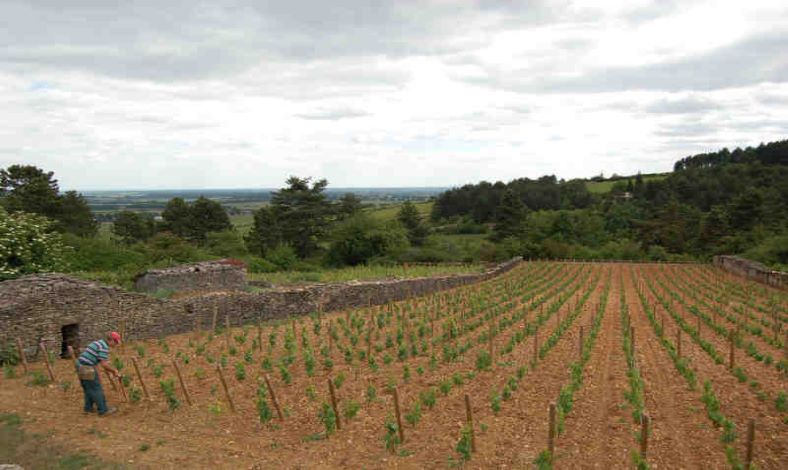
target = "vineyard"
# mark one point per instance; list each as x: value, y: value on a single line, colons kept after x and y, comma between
x: 565, y: 365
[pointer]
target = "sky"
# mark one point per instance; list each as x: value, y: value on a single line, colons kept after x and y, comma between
x: 180, y: 94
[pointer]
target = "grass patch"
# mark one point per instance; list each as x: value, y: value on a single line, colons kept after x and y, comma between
x: 31, y: 450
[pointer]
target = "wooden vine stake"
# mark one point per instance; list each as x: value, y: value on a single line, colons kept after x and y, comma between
x: 678, y: 341
x: 259, y: 336
x: 227, y: 331
x: 399, y: 417
x: 224, y: 386
x: 490, y: 345
x: 333, y: 394
x: 122, y: 389
x: 111, y: 382
x: 733, y: 349
x: 46, y: 360
x: 469, y: 420
x: 139, y: 377
x: 632, y: 341
x: 644, y: 425
x: 551, y: 432
x: 273, y: 398
x: 750, y: 443
x: 580, y: 343
x: 22, y: 357
x: 183, y: 384
x: 215, y: 315
x: 536, y: 344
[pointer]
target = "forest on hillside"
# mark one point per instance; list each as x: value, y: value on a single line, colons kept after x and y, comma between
x: 726, y: 202
x: 712, y: 203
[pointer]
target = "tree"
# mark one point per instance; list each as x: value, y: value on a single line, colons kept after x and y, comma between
x: 265, y: 234
x: 27, y: 188
x: 74, y: 215
x: 132, y: 227
x: 207, y: 215
x: 176, y: 217
x: 349, y: 205
x: 509, y: 217
x: 410, y: 218
x: 28, y: 245
x: 361, y: 238
x: 302, y: 214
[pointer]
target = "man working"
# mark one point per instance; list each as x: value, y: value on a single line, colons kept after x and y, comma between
x: 96, y: 354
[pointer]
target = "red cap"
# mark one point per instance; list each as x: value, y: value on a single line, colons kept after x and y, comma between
x: 115, y: 336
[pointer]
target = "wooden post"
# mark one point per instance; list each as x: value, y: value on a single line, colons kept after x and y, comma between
x: 122, y: 389
x: 750, y: 443
x: 678, y: 341
x: 644, y: 424
x: 46, y: 360
x: 183, y: 384
x: 139, y: 377
x: 224, y: 386
x: 111, y: 382
x: 632, y: 341
x: 215, y: 314
x: 733, y: 348
x: 662, y: 324
x: 698, y: 326
x: 580, y: 344
x: 334, y: 403
x: 273, y: 398
x: 22, y: 357
x: 227, y: 330
x: 469, y: 420
x: 551, y: 432
x: 536, y: 343
x: 399, y: 417
x: 490, y: 345
x: 259, y: 337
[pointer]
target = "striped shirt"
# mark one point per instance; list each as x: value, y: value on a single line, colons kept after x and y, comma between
x: 96, y: 352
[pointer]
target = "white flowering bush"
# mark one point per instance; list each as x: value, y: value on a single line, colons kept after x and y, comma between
x: 27, y: 245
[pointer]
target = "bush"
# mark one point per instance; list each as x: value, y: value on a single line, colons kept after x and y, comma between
x: 260, y: 265
x: 361, y: 239
x: 226, y: 244
x: 27, y: 245
x: 283, y: 257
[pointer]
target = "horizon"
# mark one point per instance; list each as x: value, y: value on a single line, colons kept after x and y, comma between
x: 393, y: 94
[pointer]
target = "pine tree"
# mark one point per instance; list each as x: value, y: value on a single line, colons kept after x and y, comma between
x: 509, y: 216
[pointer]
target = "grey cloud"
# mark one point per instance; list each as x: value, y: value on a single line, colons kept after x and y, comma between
x: 333, y: 114
x: 756, y: 59
x: 687, y: 128
x: 688, y: 105
x: 180, y: 40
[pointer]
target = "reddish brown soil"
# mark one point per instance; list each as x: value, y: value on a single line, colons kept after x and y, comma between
x: 599, y: 431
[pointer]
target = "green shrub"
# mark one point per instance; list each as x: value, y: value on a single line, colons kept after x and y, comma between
x: 328, y: 418
x: 168, y: 388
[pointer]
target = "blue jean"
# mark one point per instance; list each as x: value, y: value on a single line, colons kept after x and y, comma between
x: 94, y: 394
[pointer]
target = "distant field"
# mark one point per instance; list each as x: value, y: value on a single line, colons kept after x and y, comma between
x: 243, y: 223
x: 603, y: 187
x: 360, y: 273
x: 390, y: 211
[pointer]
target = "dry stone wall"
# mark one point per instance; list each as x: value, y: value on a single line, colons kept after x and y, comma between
x: 205, y: 276
x: 752, y: 270
x: 37, y: 308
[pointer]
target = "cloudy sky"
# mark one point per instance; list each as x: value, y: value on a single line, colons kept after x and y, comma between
x: 114, y: 94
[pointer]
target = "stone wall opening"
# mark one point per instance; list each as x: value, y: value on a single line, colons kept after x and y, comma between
x: 69, y: 337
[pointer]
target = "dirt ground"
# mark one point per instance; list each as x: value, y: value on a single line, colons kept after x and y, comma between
x: 448, y: 332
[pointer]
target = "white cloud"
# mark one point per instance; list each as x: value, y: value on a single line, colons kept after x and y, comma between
x: 187, y: 94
